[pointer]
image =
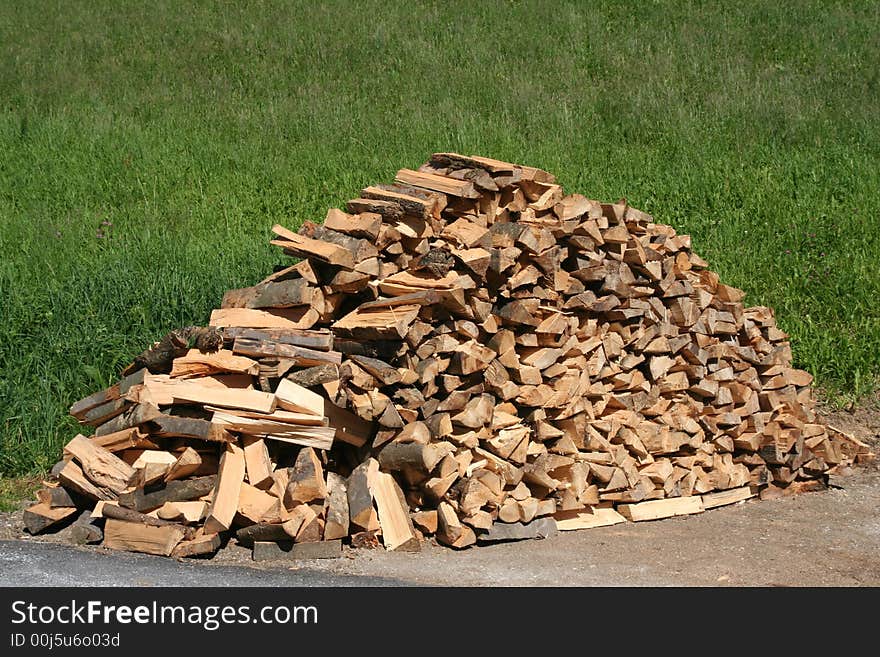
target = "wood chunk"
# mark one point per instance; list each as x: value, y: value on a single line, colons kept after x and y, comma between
x: 275, y: 294
x: 306, y: 480
x: 476, y: 413
x: 80, y: 408
x: 312, y: 527
x: 290, y: 551
x: 426, y: 521
x: 186, y: 464
x: 435, y: 183
x: 587, y: 518
x: 85, y: 530
x: 55, y: 497
x: 396, y: 456
x: 121, y: 440
x: 262, y: 531
x: 306, y: 247
x: 349, y: 428
x: 226, y: 491
x: 321, y: 340
x: 298, y: 356
x: 314, y: 376
x: 173, y: 491
x: 168, y: 426
x: 301, y: 317
x: 656, y: 509
x: 518, y: 531
x: 201, y: 545
x: 711, y: 500
x: 294, y: 397
x: 197, y: 363
x: 476, y: 259
x: 134, y: 416
x: 135, y: 537
x: 336, y: 524
x: 258, y: 464
x: 40, y: 517
x: 397, y: 527
x: 296, y: 433
x: 189, y: 513
x: 450, y: 531
x: 72, y: 477
x: 365, y: 224
x: 378, y: 323
x: 254, y: 504
x: 381, y: 370
x: 360, y: 496
x: 360, y: 249
x: 190, y: 390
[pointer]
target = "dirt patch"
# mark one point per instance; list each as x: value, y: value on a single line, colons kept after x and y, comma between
x: 829, y: 538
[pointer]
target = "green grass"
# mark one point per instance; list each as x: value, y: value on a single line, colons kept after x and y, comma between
x: 14, y: 491
x: 193, y: 128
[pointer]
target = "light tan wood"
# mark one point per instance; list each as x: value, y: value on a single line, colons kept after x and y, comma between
x: 278, y: 416
x: 382, y: 323
x: 310, y: 436
x: 190, y: 513
x: 366, y: 224
x: 226, y: 490
x: 587, y: 518
x: 258, y: 464
x: 450, y: 531
x: 277, y: 318
x: 294, y: 397
x: 397, y: 528
x: 158, y: 456
x: 120, y: 440
x: 201, y: 544
x: 254, y: 503
x: 307, y: 247
x: 101, y: 467
x: 190, y: 390
x: 712, y: 500
x: 426, y: 520
x: 196, y: 363
x: 442, y: 184
x: 656, y: 509
x: 186, y: 464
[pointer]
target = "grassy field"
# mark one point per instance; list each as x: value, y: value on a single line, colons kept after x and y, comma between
x: 147, y: 148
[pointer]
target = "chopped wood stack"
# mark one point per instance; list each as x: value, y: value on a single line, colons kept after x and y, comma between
x: 456, y: 354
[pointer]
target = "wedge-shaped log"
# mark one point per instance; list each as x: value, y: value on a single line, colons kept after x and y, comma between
x: 450, y: 531
x: 398, y: 532
x: 360, y: 496
x: 101, y: 467
x: 306, y: 247
x: 337, y: 521
x: 306, y: 480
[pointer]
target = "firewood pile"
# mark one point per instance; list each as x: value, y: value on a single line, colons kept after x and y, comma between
x: 467, y: 354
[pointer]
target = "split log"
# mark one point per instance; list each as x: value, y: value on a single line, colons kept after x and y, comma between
x: 224, y: 502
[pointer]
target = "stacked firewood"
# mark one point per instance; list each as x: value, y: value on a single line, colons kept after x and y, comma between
x: 466, y: 353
